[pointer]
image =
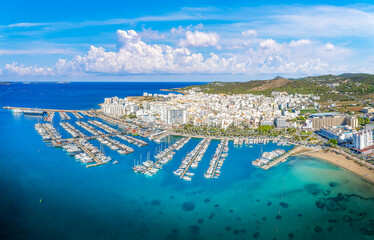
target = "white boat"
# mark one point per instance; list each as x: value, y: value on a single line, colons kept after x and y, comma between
x: 17, y: 110
x: 186, y: 178
x: 178, y: 172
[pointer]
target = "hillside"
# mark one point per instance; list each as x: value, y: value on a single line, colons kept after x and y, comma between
x: 328, y: 87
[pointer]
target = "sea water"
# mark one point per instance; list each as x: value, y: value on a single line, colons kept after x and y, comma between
x: 46, y: 194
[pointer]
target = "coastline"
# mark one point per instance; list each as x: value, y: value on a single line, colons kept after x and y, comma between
x: 342, y: 161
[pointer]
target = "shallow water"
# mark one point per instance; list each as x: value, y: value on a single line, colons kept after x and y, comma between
x: 304, y: 198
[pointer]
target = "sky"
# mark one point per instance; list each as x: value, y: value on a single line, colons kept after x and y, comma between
x: 201, y: 40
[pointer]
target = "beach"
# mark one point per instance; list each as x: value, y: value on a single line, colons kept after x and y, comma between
x: 342, y: 161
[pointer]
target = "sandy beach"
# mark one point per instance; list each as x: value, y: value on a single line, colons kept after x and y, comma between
x: 341, y: 161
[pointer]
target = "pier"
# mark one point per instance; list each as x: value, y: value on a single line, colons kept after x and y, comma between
x: 49, y: 117
x: 194, y: 157
x: 53, y: 136
x: 64, y: 115
x: 44, y: 109
x: 282, y: 158
x: 89, y: 153
x: 218, y: 158
x: 167, y: 154
x: 77, y: 115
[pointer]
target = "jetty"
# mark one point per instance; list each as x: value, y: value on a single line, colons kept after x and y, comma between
x: 224, y: 142
x: 89, y: 153
x: 203, y: 142
x: 49, y: 117
x: 282, y: 158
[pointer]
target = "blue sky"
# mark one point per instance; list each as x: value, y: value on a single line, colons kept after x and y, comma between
x: 183, y: 41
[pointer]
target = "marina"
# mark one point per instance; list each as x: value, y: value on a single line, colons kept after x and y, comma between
x: 64, y: 115
x: 216, y: 163
x: 49, y: 117
x: 72, y: 130
x: 150, y: 168
x: 104, y: 134
x: 77, y: 115
x: 192, y: 160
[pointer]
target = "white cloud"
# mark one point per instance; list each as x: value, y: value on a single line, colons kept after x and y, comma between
x: 200, y: 39
x: 150, y: 34
x: 249, y: 33
x: 21, y: 70
x: 299, y: 43
x: 330, y: 47
x: 36, y: 51
x: 134, y: 56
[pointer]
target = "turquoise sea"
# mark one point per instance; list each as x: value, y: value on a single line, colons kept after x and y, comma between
x: 304, y: 198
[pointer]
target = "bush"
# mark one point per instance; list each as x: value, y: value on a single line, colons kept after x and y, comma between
x: 333, y: 141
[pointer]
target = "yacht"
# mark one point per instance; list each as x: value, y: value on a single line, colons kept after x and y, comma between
x: 186, y: 178
x: 178, y: 172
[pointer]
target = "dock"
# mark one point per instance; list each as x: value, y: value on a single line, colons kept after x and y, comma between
x: 64, y: 115
x: 49, y: 117
x: 218, y: 157
x: 193, y: 158
x: 44, y: 109
x: 77, y: 115
x: 282, y: 158
x: 89, y: 153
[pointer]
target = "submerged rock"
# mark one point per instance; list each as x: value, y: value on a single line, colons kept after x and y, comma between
x: 278, y: 217
x: 188, y: 206
x: 320, y: 204
x: 347, y: 218
x: 256, y: 235
x: 283, y: 204
x: 317, y: 229
x: 313, y: 189
x: 291, y: 236
x: 269, y: 203
x: 195, y: 229
x: 333, y: 184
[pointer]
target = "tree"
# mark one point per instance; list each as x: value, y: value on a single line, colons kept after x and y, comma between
x: 333, y: 141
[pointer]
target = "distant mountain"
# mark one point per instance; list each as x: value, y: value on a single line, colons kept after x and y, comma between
x: 356, y: 84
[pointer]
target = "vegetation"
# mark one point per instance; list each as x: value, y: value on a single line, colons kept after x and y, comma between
x: 308, y: 111
x: 356, y: 85
x: 333, y: 141
x: 363, y: 121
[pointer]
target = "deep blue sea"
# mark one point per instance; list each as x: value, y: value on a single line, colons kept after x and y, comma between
x: 304, y: 198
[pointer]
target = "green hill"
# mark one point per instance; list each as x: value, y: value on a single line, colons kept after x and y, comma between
x: 328, y: 87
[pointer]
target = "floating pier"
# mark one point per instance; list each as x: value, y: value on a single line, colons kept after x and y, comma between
x: 64, y: 115
x: 192, y: 158
x: 77, y: 115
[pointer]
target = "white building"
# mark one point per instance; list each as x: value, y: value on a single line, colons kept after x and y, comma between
x: 362, y: 139
x: 113, y: 106
x: 280, y: 122
x: 174, y: 116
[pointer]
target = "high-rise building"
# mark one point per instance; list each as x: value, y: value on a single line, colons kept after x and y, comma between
x: 352, y: 121
x: 176, y: 116
x: 362, y: 139
x: 280, y: 122
x: 320, y: 120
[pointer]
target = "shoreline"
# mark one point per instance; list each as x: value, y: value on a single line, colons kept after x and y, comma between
x: 342, y: 161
